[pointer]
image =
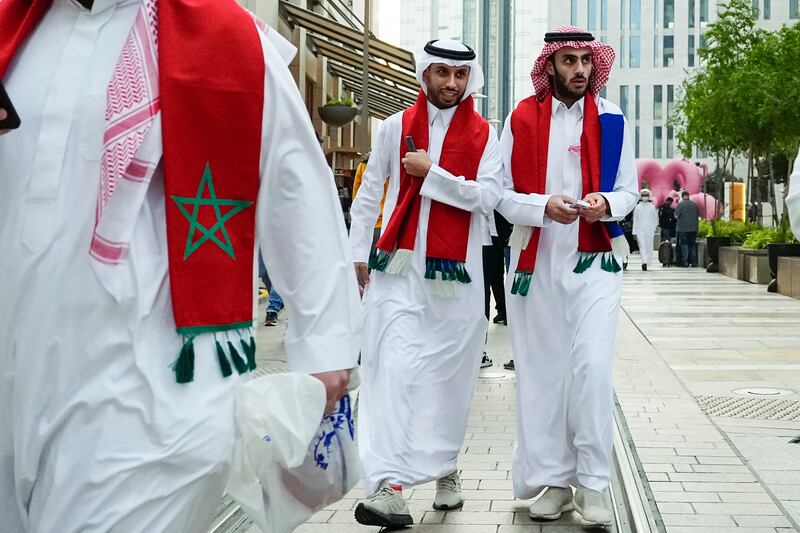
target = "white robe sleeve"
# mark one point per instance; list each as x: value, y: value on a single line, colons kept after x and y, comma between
x: 367, y: 205
x: 518, y: 208
x: 302, y: 234
x: 793, y: 198
x: 478, y: 196
x: 626, y: 188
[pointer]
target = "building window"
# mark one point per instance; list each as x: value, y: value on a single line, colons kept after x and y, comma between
x: 656, y: 14
x: 670, y: 143
x: 670, y: 100
x: 604, y: 15
x: 591, y: 6
x: 574, y: 16
x: 658, y: 148
x: 636, y: 14
x: 669, y: 50
x: 691, y: 51
x: 623, y: 99
x: 656, y: 50
x: 635, y: 52
x: 794, y: 9
x: 704, y: 12
x: 658, y: 98
x: 637, y: 103
x: 669, y: 13
x: 636, y: 141
x: 691, y: 13
x: 767, y: 9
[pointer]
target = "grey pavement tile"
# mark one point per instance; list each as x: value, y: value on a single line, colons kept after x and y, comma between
x: 738, y: 508
x: 697, y: 520
x: 490, y: 517
x: 760, y: 520
x: 723, y: 487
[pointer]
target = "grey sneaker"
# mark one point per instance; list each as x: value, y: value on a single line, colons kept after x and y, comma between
x: 486, y: 361
x: 592, y: 507
x: 551, y: 504
x: 448, y: 493
x: 385, y: 508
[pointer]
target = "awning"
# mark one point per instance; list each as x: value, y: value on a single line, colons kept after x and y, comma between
x: 392, y: 82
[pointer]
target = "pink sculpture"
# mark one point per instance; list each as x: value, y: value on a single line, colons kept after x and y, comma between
x: 681, y: 173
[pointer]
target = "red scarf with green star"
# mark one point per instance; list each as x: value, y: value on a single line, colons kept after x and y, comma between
x: 211, y: 116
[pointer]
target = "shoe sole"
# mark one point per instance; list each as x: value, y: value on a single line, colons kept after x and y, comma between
x: 486, y: 365
x: 564, y: 509
x: 459, y: 505
x: 369, y: 517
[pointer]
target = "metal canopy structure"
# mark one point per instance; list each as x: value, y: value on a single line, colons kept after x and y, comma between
x: 392, y: 82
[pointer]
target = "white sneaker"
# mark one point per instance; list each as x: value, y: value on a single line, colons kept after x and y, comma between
x: 385, y: 508
x: 551, y: 504
x: 448, y: 493
x: 593, y: 508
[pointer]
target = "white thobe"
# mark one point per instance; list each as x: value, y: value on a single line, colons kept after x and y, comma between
x: 562, y: 332
x: 793, y: 198
x: 95, y: 433
x: 421, y: 352
x: 645, y: 222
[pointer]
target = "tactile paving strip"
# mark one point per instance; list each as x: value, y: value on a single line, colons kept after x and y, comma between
x: 756, y: 408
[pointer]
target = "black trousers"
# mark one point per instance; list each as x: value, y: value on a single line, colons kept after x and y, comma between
x: 493, y: 272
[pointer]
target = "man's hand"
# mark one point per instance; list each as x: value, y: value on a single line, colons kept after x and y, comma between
x: 335, y: 387
x: 558, y: 209
x: 3, y: 116
x: 598, y: 207
x: 417, y: 163
x: 362, y: 275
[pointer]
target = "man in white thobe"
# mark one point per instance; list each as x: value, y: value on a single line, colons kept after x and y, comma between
x: 793, y: 198
x: 563, y: 314
x: 95, y: 433
x: 423, y: 337
x: 645, y: 222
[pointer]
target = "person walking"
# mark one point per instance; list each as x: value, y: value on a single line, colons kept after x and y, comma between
x: 424, y: 303
x: 563, y: 144
x: 666, y: 220
x: 645, y: 221
x: 148, y: 166
x: 687, y: 216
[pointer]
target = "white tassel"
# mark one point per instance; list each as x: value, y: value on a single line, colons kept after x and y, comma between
x: 620, y: 249
x: 445, y: 288
x: 400, y: 263
x: 520, y: 237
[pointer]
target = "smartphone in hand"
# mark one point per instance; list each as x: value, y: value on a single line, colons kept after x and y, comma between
x: 12, y: 121
x: 410, y: 144
x: 580, y: 204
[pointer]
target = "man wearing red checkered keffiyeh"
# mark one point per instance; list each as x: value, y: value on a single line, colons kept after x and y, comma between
x: 569, y: 176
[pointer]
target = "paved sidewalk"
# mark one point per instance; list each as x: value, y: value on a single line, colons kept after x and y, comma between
x: 684, y: 336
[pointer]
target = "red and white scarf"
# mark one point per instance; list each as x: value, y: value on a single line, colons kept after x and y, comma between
x: 175, y: 60
x: 448, y: 226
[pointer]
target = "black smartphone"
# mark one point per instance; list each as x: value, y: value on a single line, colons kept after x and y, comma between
x: 12, y: 121
x: 410, y: 144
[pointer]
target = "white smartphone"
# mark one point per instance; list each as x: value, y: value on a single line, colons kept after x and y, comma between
x: 580, y: 204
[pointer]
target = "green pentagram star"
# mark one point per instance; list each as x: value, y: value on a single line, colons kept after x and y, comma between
x: 208, y: 234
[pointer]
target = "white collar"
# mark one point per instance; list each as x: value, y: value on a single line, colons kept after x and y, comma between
x: 447, y: 114
x: 100, y: 5
x: 577, y: 106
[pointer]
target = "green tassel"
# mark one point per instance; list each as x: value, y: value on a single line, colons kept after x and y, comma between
x: 585, y: 260
x: 224, y: 365
x: 238, y: 362
x: 610, y: 263
x: 184, y: 366
x: 450, y: 270
x: 250, y: 352
x: 379, y: 259
x: 522, y: 283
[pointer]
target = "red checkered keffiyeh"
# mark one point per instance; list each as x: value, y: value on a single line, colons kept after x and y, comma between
x: 602, y: 60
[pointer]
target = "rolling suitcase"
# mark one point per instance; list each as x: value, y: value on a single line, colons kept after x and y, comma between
x: 666, y: 253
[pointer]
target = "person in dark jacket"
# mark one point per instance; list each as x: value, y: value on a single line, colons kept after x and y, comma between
x: 687, y: 215
x: 666, y: 220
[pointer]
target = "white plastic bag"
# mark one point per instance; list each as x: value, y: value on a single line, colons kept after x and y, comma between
x: 287, y: 464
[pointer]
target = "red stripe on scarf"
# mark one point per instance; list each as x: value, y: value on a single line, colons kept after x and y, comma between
x: 448, y: 226
x: 530, y: 124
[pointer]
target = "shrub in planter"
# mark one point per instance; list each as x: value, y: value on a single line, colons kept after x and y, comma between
x: 338, y: 112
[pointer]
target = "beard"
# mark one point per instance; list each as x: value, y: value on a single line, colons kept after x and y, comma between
x: 562, y: 88
x: 441, y: 100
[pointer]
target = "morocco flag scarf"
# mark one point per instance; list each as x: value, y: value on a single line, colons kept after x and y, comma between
x: 601, y: 148
x: 448, y: 227
x: 176, y: 92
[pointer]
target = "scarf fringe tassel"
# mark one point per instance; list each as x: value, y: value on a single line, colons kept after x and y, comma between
x: 608, y: 262
x: 379, y: 260
x: 184, y: 365
x: 522, y: 283
x: 446, y: 276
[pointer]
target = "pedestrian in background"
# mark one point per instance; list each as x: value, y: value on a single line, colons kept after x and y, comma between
x: 645, y: 221
x: 666, y: 220
x: 687, y: 216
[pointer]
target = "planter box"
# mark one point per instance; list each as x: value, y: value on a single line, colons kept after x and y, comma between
x: 789, y: 276
x: 757, y: 267
x: 733, y: 261
x: 776, y: 251
x: 702, y: 253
